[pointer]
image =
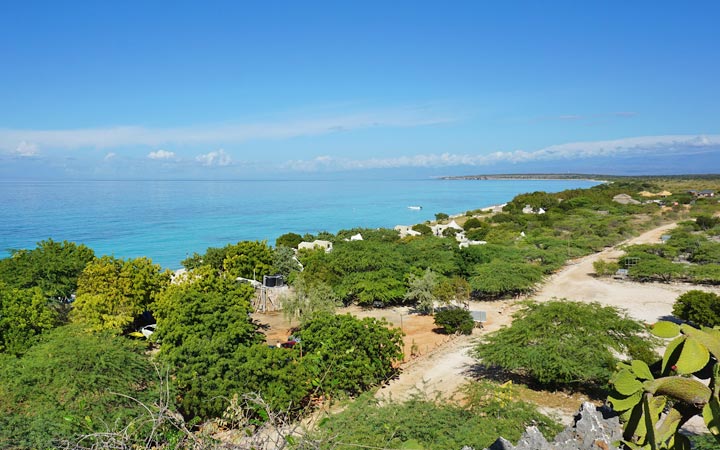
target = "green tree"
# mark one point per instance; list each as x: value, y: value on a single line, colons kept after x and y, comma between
x: 698, y: 307
x: 290, y: 240
x: 52, y: 266
x: 113, y: 292
x: 455, y: 320
x: 562, y: 343
x: 441, y: 216
x: 284, y: 261
x: 249, y: 259
x: 24, y: 315
x: 72, y: 383
x: 421, y: 291
x: 423, y: 229
x: 471, y: 223
x: 653, y: 267
x: 202, y: 323
x: 350, y: 355
x: 308, y: 300
x: 705, y: 222
x: 499, y: 278
x: 453, y: 289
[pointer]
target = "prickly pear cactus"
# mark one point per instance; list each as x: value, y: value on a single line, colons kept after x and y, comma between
x: 654, y: 406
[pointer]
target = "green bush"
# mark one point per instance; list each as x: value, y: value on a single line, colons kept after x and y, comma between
x: 291, y: 240
x: 698, y: 307
x: 500, y: 278
x: 346, y: 354
x: 562, y: 343
x: 605, y: 268
x: 489, y: 411
x: 471, y: 223
x: 441, y: 216
x: 423, y: 229
x: 72, y: 383
x: 455, y: 320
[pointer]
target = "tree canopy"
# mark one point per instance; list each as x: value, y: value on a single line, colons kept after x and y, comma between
x: 113, y: 292
x: 562, y: 343
x: 24, y: 315
x: 349, y: 354
x: 52, y: 266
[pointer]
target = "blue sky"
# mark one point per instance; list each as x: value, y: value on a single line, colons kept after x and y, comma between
x: 96, y: 90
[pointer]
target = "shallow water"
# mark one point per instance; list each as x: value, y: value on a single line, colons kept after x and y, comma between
x: 168, y: 220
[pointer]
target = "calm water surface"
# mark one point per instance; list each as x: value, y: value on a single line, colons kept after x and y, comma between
x: 168, y: 220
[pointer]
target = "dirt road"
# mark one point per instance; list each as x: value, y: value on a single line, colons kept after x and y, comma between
x: 647, y: 302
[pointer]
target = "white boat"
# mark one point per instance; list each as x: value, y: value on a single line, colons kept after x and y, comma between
x: 415, y: 208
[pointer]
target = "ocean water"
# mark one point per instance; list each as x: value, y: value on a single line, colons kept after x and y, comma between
x: 169, y: 220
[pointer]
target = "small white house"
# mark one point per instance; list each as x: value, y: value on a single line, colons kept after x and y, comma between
x: 325, y: 245
x: 356, y: 237
x: 406, y: 230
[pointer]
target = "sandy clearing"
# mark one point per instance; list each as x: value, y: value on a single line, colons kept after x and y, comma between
x: 647, y: 302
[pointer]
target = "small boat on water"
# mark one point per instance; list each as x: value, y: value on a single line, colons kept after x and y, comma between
x: 415, y: 208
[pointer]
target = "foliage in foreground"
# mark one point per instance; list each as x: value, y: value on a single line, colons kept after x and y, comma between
x: 489, y: 412
x: 563, y: 343
x: 24, y: 315
x: 202, y: 322
x: 350, y: 355
x: 654, y: 404
x: 72, y: 383
x: 455, y: 320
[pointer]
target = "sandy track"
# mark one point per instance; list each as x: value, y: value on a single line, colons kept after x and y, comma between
x: 647, y: 302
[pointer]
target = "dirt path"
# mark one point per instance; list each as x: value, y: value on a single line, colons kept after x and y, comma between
x: 448, y: 366
x: 647, y: 302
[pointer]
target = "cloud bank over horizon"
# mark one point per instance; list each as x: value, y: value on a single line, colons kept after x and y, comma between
x: 650, y: 146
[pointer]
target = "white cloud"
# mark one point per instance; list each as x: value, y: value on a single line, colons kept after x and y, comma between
x: 216, y: 158
x: 110, y: 156
x: 121, y: 136
x: 26, y: 149
x: 161, y: 154
x: 637, y: 146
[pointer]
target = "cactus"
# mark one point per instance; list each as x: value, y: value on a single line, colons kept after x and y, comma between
x: 653, y: 406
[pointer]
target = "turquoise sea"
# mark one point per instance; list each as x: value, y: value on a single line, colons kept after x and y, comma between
x: 168, y: 220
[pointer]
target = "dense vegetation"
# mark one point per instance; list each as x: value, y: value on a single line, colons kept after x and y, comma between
x: 424, y: 423
x: 69, y: 367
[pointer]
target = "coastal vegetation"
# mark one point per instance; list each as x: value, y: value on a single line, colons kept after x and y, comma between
x: 566, y: 344
x: 70, y: 356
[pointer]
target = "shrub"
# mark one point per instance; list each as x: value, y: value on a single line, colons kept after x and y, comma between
x: 455, y: 320
x: 441, y: 216
x: 471, y: 223
x: 477, y: 234
x: 72, y: 383
x: 562, y: 343
x: 698, y: 307
x: 489, y: 411
x: 350, y: 355
x: 605, y: 268
x: 706, y: 222
x: 422, y: 229
x: 291, y: 240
